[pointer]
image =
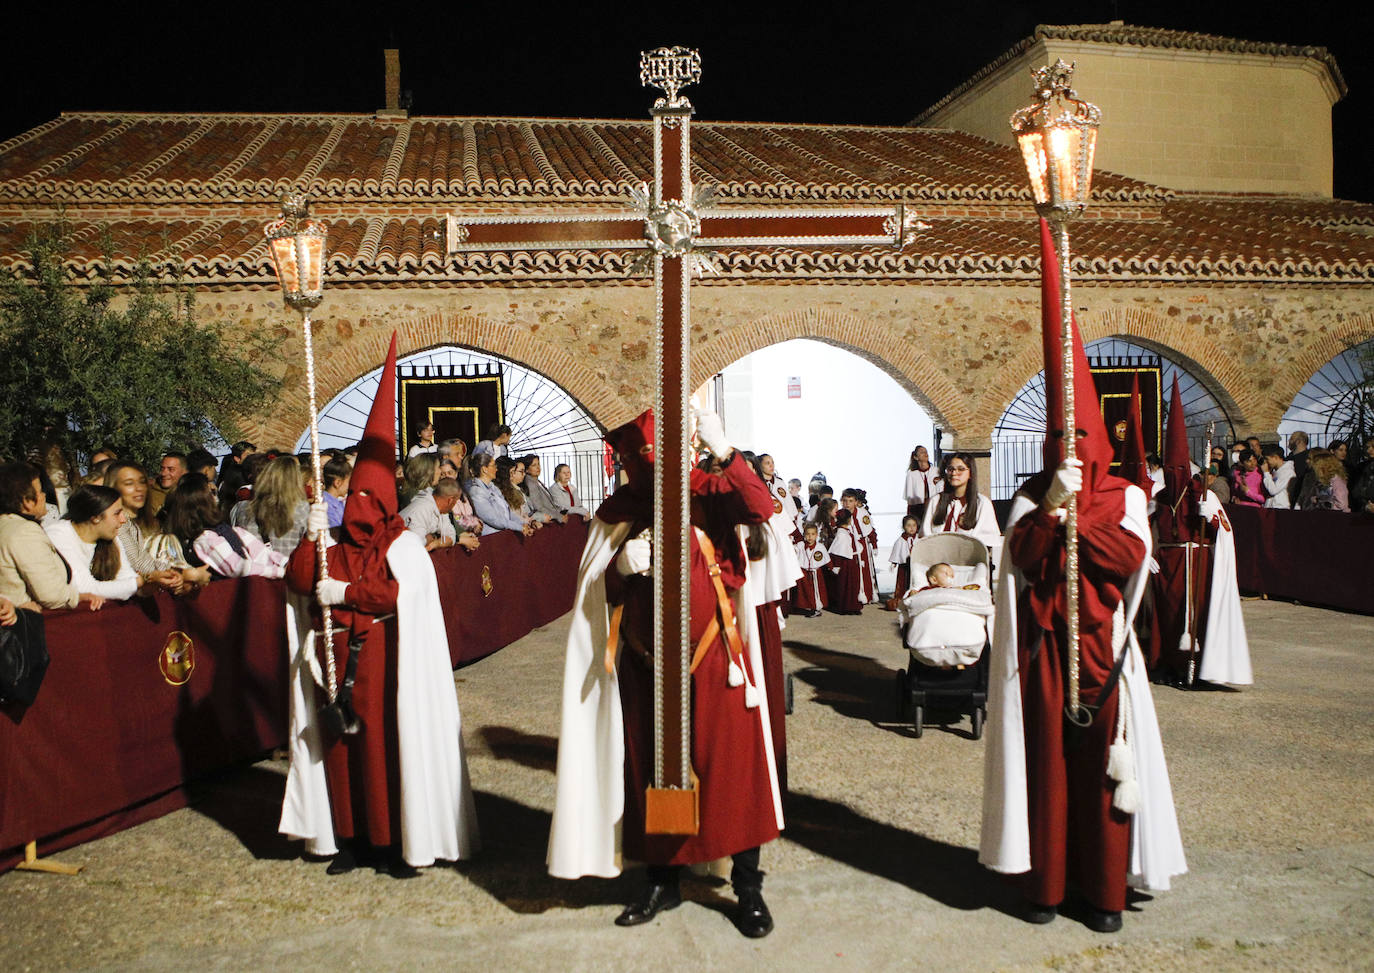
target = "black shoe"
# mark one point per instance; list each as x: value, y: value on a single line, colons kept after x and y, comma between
x: 1037, y: 914
x: 343, y: 863
x: 753, y: 918
x: 400, y: 868
x: 656, y: 899
x: 1099, y: 921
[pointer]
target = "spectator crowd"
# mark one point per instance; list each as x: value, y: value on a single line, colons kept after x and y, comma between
x: 115, y: 532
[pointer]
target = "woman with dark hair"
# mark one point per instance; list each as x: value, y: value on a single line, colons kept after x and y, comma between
x: 191, y: 517
x: 87, y: 539
x: 922, y: 483
x: 959, y: 508
x: 487, y: 499
x: 129, y: 480
x: 510, y: 474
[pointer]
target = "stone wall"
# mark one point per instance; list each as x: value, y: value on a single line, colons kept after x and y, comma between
x: 963, y: 352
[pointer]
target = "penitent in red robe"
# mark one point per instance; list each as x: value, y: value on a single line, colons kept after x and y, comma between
x: 364, y: 770
x: 728, y: 754
x: 1075, y: 833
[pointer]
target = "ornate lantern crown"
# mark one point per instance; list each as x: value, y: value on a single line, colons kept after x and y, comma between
x: 297, y: 245
x: 1058, y: 135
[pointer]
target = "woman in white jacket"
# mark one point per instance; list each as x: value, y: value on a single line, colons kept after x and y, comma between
x: 960, y: 509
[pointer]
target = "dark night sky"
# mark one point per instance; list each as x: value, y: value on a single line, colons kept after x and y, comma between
x: 836, y: 62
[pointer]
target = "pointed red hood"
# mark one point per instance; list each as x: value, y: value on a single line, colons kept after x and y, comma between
x: 1093, y: 445
x: 634, y: 500
x: 372, y: 510
x: 1176, y: 504
x: 1133, y: 467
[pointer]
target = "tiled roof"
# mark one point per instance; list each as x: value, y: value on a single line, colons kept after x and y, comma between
x: 136, y: 159
x: 190, y: 195
x: 1128, y: 35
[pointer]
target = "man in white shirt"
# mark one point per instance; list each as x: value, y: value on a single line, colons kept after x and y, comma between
x: 1278, y: 473
x: 428, y: 517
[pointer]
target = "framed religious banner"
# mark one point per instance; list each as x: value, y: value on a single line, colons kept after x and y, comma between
x: 1113, y: 377
x: 462, y: 401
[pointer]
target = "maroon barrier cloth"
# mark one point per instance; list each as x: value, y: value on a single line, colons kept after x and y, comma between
x: 107, y: 734
x: 1322, y: 557
x: 532, y: 580
x: 109, y: 744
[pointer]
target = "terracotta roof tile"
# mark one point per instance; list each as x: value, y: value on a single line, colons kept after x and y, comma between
x: 190, y: 193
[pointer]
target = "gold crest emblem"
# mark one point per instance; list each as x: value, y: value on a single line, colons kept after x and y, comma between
x: 487, y: 586
x: 866, y: 520
x: 817, y: 555
x: 1120, y: 430
x: 177, y: 660
x: 782, y: 492
x: 777, y: 506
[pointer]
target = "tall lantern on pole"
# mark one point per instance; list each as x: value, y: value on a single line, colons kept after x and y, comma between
x: 1057, y: 135
x: 297, y: 245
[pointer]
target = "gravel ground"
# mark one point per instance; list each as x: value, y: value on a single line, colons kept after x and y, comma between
x: 876, y: 870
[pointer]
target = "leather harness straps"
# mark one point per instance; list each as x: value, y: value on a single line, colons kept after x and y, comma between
x: 724, y: 616
x: 724, y: 613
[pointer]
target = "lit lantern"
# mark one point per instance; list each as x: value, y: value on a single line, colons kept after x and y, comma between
x: 297, y: 245
x: 1057, y: 134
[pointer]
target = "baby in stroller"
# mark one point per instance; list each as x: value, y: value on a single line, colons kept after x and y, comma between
x: 946, y: 625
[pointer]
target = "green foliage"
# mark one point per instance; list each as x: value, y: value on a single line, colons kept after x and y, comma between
x: 140, y: 373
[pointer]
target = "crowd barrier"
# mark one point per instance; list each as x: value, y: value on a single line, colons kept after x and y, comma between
x: 1321, y: 557
x: 110, y: 742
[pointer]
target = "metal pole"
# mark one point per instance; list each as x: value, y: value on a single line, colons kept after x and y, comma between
x: 1073, y: 710
x: 321, y: 558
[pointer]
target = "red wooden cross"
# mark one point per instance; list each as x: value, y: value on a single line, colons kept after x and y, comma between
x: 672, y: 223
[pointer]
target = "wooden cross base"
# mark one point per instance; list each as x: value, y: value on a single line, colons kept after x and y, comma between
x: 673, y: 810
x: 32, y: 863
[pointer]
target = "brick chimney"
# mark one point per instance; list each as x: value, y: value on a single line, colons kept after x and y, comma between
x: 393, y: 107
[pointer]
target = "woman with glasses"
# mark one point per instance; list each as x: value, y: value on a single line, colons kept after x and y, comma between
x: 959, y: 508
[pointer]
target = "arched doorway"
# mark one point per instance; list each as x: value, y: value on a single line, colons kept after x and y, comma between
x: 1337, y: 402
x: 1017, y: 438
x: 817, y: 407
x: 543, y: 417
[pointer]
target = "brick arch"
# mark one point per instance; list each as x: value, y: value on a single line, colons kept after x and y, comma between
x: 342, y: 362
x: 1346, y: 334
x: 1205, y: 359
x: 915, y: 372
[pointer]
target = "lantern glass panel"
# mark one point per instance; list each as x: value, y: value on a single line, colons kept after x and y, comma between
x: 284, y: 257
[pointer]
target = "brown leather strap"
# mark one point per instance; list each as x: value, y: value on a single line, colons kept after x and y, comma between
x: 724, y: 618
x: 613, y: 638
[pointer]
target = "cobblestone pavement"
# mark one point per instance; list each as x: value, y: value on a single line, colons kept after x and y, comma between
x: 876, y: 870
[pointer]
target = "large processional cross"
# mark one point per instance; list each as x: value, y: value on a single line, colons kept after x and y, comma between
x: 674, y: 222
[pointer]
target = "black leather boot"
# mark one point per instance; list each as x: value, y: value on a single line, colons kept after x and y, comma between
x: 753, y: 918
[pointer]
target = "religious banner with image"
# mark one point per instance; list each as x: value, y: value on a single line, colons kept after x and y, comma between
x: 462, y: 401
x: 1113, y: 376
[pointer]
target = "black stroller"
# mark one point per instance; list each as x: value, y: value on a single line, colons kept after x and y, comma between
x: 947, y: 642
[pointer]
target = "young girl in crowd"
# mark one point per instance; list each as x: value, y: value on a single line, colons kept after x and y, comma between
x: 849, y: 568
x: 809, y: 597
x: 900, y: 558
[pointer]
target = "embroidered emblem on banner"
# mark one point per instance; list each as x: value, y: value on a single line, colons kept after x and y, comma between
x: 487, y: 586
x: 177, y: 660
x: 1120, y: 430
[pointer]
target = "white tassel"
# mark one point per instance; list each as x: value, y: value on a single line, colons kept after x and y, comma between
x: 1126, y: 798
x: 751, y: 696
x: 1185, y: 643
x: 1121, y: 762
x: 736, y: 676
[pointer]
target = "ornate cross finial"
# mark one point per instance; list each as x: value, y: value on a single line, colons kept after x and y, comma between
x: 1054, y: 79
x: 670, y: 69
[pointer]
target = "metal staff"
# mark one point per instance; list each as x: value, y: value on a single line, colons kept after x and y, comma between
x: 1057, y: 135
x: 297, y: 245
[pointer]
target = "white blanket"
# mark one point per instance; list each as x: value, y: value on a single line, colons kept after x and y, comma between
x: 947, y: 626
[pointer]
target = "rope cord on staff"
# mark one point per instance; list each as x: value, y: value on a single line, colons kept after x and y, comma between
x: 322, y: 542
